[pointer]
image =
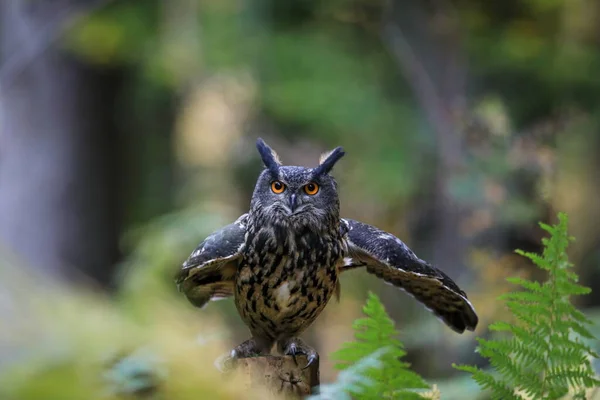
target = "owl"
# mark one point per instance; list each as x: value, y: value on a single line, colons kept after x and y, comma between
x: 281, y: 261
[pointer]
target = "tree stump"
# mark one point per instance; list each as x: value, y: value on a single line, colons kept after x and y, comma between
x: 280, y: 375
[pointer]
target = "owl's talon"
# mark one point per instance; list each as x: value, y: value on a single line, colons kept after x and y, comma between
x: 227, y: 362
x: 312, y: 358
x: 294, y: 346
x: 292, y: 351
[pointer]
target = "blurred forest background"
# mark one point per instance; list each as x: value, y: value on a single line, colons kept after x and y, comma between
x: 127, y: 133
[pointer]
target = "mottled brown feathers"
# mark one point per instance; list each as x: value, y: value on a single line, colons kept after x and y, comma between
x: 288, y: 275
x: 281, y: 260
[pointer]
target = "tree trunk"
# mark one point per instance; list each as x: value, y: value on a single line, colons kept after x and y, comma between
x: 58, y: 156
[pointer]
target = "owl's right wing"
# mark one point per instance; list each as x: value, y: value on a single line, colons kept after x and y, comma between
x: 209, y: 271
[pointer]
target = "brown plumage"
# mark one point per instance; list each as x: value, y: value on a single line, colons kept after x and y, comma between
x: 281, y: 261
x: 288, y: 274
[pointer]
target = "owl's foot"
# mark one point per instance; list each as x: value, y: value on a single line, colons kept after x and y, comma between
x: 249, y: 348
x: 295, y: 346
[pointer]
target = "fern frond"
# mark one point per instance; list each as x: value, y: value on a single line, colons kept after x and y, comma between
x: 499, y: 389
x: 543, y: 358
x: 394, y: 379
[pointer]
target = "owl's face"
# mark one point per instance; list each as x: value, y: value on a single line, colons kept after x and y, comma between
x: 301, y: 196
x: 297, y: 194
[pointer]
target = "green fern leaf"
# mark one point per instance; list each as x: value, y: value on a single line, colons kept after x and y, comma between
x: 394, y: 379
x: 544, y: 358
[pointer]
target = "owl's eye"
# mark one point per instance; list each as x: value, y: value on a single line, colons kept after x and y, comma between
x: 311, y: 188
x: 277, y: 187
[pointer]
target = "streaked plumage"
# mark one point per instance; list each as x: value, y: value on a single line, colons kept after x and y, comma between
x: 281, y: 261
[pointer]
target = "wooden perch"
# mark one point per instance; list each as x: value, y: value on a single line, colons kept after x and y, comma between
x: 281, y: 375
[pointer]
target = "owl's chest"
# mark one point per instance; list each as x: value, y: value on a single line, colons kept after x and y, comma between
x: 281, y: 275
x: 282, y: 278
x: 280, y: 284
x: 272, y: 254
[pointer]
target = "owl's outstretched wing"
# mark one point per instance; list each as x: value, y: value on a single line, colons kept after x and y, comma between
x: 209, y: 271
x: 387, y: 257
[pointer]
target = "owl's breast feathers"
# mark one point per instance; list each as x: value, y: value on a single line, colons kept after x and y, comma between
x: 287, y: 275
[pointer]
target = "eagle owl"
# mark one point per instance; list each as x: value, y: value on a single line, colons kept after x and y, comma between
x: 281, y: 261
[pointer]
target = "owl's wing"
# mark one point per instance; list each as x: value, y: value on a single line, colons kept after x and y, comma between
x: 209, y: 271
x: 387, y: 257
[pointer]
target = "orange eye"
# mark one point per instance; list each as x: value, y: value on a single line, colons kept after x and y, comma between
x: 277, y: 187
x: 311, y: 188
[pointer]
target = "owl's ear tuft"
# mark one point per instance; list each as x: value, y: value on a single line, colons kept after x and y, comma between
x: 328, y: 160
x: 269, y: 156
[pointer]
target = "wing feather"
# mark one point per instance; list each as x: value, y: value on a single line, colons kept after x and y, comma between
x: 209, y: 271
x: 387, y: 257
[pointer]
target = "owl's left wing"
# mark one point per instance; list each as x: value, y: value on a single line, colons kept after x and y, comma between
x: 387, y: 257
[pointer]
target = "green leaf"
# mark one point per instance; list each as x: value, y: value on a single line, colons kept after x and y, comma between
x: 543, y: 357
x: 393, y: 378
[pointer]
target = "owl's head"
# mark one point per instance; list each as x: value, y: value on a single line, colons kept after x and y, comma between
x: 297, y: 195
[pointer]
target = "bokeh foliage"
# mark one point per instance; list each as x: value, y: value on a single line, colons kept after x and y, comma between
x: 198, y: 81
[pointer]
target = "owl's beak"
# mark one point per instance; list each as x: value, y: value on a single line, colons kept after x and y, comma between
x: 293, y: 202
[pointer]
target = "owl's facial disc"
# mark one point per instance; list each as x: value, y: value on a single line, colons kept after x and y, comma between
x: 296, y: 196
